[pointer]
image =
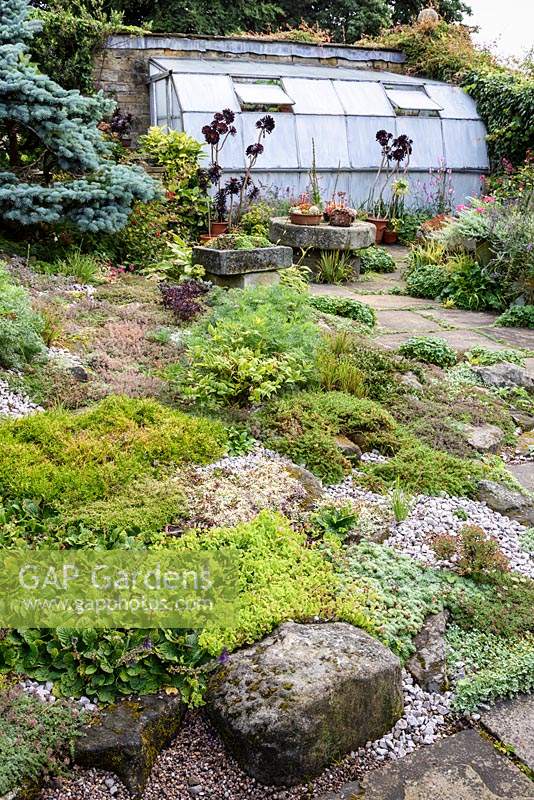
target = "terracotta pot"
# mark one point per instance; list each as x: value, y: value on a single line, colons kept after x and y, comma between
x: 126, y: 142
x: 380, y: 223
x: 389, y: 237
x: 305, y: 219
x: 218, y: 228
x: 205, y: 237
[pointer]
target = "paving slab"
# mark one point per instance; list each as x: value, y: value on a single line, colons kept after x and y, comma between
x: 398, y: 321
x: 461, y: 767
x: 524, y: 473
x: 461, y: 340
x: 512, y: 722
x: 386, y: 302
x: 514, y: 337
x: 463, y: 319
x: 529, y: 366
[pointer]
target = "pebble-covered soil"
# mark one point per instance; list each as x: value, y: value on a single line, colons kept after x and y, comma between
x: 15, y: 404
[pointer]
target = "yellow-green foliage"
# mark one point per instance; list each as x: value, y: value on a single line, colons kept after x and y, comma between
x: 280, y: 578
x: 304, y: 427
x: 64, y: 459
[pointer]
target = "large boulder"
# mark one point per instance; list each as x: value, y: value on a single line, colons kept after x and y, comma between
x: 291, y: 704
x: 127, y: 738
x: 507, y: 501
x: 503, y: 375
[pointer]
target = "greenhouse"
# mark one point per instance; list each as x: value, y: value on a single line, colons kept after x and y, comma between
x: 332, y: 111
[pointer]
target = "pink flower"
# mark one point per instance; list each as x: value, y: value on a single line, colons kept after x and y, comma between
x: 488, y: 199
x: 462, y: 208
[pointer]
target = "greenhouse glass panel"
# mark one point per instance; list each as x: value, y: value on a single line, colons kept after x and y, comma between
x: 312, y: 96
x: 427, y: 140
x: 205, y: 92
x: 262, y: 94
x: 465, y: 144
x: 364, y: 150
x: 330, y: 138
x: 456, y: 103
x: 363, y: 98
x: 412, y: 100
x: 232, y: 156
x: 280, y: 146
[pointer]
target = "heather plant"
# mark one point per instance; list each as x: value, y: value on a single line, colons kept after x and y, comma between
x: 55, y: 131
x: 254, y: 344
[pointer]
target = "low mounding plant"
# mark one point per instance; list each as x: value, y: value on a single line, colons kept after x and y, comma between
x: 376, y: 259
x: 34, y: 738
x: 487, y: 357
x: 430, y: 350
x: 238, y: 241
x: 345, y: 307
x: 20, y: 327
x: 184, y: 299
x: 85, y: 267
x: 253, y: 345
x: 427, y: 281
x: 517, y: 316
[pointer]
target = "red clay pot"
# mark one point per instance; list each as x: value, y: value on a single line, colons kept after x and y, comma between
x: 305, y: 219
x: 389, y: 237
x: 380, y: 225
x: 218, y: 228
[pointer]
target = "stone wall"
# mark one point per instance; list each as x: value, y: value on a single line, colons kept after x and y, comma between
x: 121, y: 70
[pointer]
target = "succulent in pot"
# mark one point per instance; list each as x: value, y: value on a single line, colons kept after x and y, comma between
x: 304, y: 212
x: 396, y: 152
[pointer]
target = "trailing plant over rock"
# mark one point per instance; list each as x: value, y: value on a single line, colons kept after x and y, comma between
x: 49, y: 131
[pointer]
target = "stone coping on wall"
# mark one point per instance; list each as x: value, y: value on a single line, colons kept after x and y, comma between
x: 245, y: 46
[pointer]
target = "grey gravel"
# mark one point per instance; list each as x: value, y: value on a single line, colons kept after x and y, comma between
x: 15, y: 404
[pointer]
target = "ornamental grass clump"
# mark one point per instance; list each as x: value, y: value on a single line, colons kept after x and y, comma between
x: 254, y: 344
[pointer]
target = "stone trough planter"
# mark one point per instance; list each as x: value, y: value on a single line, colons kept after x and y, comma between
x: 242, y: 268
x: 313, y: 239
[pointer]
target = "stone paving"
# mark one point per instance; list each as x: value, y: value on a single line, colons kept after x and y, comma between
x: 460, y: 767
x: 512, y: 722
x: 399, y: 316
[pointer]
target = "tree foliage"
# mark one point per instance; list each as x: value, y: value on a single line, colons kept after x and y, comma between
x: 344, y: 20
x: 57, y: 164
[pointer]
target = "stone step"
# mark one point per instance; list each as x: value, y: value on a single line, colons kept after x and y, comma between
x: 512, y: 722
x: 461, y: 767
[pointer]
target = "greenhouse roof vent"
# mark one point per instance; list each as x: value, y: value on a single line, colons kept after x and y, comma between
x: 262, y: 94
x: 412, y: 101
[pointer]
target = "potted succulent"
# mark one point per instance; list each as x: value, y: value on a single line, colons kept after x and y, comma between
x: 396, y: 152
x: 304, y: 212
x: 338, y: 214
x: 391, y: 235
x: 230, y: 197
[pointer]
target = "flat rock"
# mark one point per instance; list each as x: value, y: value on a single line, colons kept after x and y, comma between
x: 322, y: 237
x: 350, y: 791
x: 460, y: 767
x: 512, y: 722
x: 507, y: 501
x: 485, y: 438
x: 428, y: 665
x: 504, y: 375
x: 397, y: 321
x: 127, y: 738
x: 290, y: 705
x: 524, y: 474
